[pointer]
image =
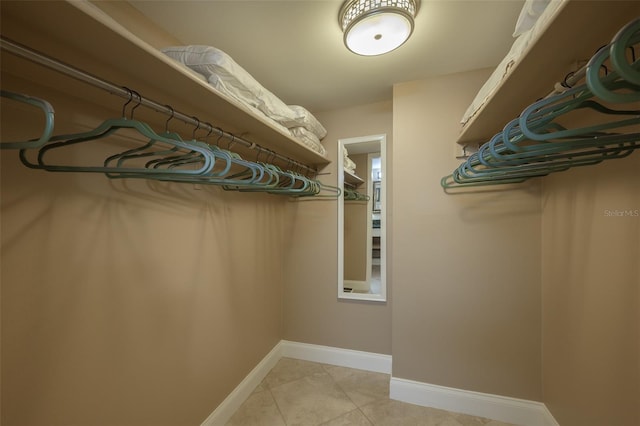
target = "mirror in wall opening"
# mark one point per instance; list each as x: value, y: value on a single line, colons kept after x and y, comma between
x: 362, y: 218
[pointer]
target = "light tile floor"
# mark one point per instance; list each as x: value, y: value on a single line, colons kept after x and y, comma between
x: 303, y: 393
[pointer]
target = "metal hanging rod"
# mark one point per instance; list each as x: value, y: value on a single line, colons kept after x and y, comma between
x: 49, y: 62
x: 570, y: 79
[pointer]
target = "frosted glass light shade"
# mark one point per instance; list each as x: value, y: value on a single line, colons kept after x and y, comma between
x: 374, y: 27
x: 378, y: 34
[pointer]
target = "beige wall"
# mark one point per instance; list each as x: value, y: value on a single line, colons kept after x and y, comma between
x: 466, y: 275
x: 312, y: 312
x: 128, y: 302
x: 133, y: 20
x: 590, y: 284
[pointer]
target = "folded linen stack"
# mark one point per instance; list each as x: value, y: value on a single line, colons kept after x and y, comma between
x: 349, y: 165
x: 226, y: 76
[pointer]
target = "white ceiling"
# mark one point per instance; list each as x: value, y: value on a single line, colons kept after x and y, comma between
x: 294, y: 47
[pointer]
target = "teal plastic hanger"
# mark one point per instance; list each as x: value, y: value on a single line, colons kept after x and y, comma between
x: 162, y: 156
x: 291, y: 184
x: 599, y: 86
x: 237, y: 171
x: 538, y: 115
x: 618, y: 51
x: 109, y: 128
x: 353, y: 195
x: 543, y: 154
x: 331, y: 191
x: 469, y: 173
x: 501, y: 152
x: 49, y: 116
x: 271, y: 180
x: 449, y: 182
x: 145, y: 150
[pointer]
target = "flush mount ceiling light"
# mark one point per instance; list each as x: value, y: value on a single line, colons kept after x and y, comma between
x: 374, y: 27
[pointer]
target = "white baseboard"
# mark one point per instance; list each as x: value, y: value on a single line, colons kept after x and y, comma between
x: 234, y: 400
x: 511, y: 410
x: 549, y: 419
x: 325, y: 354
x: 336, y: 356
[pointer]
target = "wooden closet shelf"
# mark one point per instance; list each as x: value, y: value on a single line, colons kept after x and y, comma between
x: 352, y: 178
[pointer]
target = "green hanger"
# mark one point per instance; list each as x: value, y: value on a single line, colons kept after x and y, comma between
x: 598, y: 85
x: 619, y: 45
x: 542, y: 112
x: 109, y: 128
x: 49, y: 114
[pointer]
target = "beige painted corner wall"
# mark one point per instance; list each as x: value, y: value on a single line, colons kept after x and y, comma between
x: 312, y: 311
x: 128, y: 302
x: 466, y: 267
x: 591, y: 292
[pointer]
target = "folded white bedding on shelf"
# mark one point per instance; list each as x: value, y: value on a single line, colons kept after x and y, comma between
x: 533, y: 20
x: 308, y: 138
x: 226, y: 76
x: 348, y: 163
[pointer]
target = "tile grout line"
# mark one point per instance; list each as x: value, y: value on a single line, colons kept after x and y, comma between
x: 358, y: 408
x: 365, y: 415
x: 325, y: 368
x: 275, y: 401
